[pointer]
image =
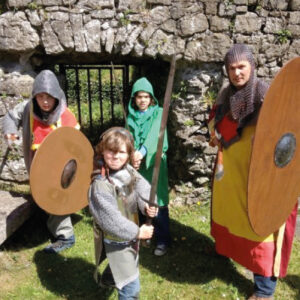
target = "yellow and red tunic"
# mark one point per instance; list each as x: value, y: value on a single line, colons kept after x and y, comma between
x: 230, y: 226
x: 40, y: 130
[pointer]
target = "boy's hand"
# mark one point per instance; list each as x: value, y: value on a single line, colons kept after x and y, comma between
x: 151, y: 211
x: 146, y: 232
x: 136, y: 164
x: 137, y: 159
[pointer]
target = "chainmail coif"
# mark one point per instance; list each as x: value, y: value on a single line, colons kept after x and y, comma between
x: 241, y: 103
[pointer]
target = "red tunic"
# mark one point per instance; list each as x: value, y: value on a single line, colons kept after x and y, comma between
x: 40, y: 130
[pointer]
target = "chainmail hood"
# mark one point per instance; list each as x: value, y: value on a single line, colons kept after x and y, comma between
x: 240, y: 104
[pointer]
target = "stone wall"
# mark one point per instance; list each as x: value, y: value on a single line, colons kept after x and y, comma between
x: 34, y: 32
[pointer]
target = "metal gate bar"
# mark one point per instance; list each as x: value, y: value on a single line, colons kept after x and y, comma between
x: 65, y: 69
x: 100, y: 97
x: 77, y: 88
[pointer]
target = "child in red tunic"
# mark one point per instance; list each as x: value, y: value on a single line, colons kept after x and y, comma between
x: 46, y: 111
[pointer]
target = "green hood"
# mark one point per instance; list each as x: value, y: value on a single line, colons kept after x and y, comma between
x: 140, y: 123
x: 141, y: 85
x: 145, y: 127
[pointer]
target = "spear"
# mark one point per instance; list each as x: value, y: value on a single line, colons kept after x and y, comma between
x: 163, y: 124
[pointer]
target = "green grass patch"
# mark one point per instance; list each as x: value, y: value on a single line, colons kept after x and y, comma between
x: 190, y: 270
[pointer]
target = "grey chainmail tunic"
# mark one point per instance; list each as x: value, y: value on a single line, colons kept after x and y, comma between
x: 115, y: 224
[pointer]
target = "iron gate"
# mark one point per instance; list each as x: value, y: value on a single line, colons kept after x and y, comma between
x: 96, y: 94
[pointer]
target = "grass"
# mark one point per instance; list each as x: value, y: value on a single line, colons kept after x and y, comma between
x: 190, y: 270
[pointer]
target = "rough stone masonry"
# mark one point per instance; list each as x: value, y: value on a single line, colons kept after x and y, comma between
x: 199, y: 32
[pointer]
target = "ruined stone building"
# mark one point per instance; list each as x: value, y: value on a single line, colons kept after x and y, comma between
x: 140, y: 37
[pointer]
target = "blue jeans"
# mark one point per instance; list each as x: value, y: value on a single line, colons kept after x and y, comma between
x: 264, y: 286
x: 130, y: 291
x: 162, y: 227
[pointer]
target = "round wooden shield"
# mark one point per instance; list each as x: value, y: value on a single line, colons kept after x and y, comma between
x: 274, y: 175
x: 61, y: 170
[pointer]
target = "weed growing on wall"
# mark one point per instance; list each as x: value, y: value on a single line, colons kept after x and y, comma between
x: 33, y: 6
x: 283, y: 36
x: 181, y: 91
x: 210, y: 97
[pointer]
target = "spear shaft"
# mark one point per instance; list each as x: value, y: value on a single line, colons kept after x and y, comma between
x: 163, y: 124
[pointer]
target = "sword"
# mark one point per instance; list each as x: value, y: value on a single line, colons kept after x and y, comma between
x: 163, y: 124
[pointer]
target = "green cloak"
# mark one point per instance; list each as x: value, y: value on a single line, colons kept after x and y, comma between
x: 145, y: 130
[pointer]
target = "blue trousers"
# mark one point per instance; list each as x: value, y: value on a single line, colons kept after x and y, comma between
x: 264, y: 286
x: 130, y: 291
x: 162, y: 227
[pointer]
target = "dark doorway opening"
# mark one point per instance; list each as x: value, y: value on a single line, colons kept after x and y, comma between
x: 98, y: 95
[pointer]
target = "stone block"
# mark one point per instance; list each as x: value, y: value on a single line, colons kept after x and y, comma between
x: 208, y: 48
x: 274, y: 25
x: 274, y: 4
x: 240, y: 2
x: 295, y: 4
x: 160, y: 14
x: 294, y: 17
x: 193, y: 24
x: 17, y: 85
x: 247, y: 23
x: 294, y: 30
x: 211, y: 7
x: 163, y: 2
x: 16, y: 33
x: 227, y: 10
x: 242, y: 9
x: 218, y: 24
x: 50, y: 40
x: 15, y: 209
x: 18, y: 3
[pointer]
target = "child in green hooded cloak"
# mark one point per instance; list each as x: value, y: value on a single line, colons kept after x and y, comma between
x: 144, y: 120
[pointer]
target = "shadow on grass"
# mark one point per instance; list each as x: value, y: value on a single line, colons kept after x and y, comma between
x: 71, y: 278
x: 192, y: 259
x: 33, y: 232
x: 294, y: 282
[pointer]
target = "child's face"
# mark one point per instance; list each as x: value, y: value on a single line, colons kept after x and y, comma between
x: 142, y: 100
x: 45, y: 102
x: 116, y: 160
